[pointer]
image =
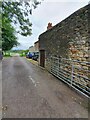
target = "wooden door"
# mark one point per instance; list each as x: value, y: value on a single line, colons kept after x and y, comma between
x: 42, y: 58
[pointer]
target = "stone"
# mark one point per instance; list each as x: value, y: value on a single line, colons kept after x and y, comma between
x: 86, y: 44
x: 86, y: 55
x: 83, y: 83
x: 79, y: 59
x: 81, y: 55
x: 84, y: 64
x: 83, y: 41
x: 85, y: 67
x: 83, y: 59
x: 84, y: 38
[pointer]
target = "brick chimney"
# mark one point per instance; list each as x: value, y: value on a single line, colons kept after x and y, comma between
x: 49, y: 26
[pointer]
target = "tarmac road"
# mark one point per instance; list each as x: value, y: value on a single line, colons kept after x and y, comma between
x: 31, y: 92
x: 0, y: 89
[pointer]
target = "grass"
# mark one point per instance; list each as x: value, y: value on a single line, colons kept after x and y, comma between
x: 7, y: 55
x: 22, y: 55
x: 33, y: 62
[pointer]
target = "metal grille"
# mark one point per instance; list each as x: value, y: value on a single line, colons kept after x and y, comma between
x: 74, y: 73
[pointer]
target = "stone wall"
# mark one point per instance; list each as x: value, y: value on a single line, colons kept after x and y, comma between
x: 36, y: 45
x: 69, y: 38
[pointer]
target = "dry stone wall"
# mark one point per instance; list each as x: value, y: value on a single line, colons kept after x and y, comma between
x: 69, y: 39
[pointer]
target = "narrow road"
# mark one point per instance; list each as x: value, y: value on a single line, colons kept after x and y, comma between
x: 0, y: 89
x: 31, y: 92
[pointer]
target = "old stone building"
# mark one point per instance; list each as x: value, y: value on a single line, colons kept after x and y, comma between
x: 69, y: 38
x: 64, y: 49
x: 36, y: 46
x: 31, y: 49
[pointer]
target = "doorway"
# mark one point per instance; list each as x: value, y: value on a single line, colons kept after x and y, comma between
x: 42, y: 58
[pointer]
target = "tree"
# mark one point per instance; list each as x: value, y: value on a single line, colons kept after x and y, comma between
x: 9, y: 39
x: 17, y: 13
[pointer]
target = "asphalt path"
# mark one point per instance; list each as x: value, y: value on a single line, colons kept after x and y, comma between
x: 0, y: 89
x: 29, y: 91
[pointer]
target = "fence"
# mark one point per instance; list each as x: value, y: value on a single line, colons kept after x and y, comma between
x: 73, y: 72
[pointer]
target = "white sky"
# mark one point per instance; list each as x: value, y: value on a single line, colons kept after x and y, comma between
x: 52, y: 11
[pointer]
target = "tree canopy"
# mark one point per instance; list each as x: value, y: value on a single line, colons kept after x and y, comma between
x: 9, y: 39
x: 17, y: 13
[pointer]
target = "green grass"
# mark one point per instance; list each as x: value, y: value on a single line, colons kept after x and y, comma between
x: 22, y: 55
x: 7, y: 54
x: 33, y: 61
x: 11, y: 53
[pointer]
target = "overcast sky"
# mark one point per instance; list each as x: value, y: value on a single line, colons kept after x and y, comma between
x: 52, y: 11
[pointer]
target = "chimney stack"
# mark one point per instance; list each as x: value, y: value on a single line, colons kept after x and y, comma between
x: 49, y: 26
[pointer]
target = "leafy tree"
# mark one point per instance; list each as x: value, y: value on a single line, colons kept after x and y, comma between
x: 19, y: 13
x: 16, y: 13
x: 9, y: 39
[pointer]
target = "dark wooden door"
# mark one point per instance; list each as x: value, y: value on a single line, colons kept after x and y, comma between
x: 42, y: 58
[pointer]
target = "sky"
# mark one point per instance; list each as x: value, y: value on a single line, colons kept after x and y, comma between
x: 53, y: 11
